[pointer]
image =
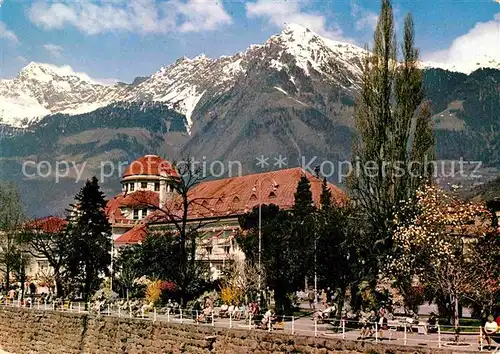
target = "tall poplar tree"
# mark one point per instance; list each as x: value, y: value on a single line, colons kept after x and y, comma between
x: 394, y: 141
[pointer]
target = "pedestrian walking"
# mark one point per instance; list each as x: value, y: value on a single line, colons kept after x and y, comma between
x: 311, y: 298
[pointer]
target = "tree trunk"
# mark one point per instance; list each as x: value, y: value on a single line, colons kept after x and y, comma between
x: 59, y: 288
x: 7, y: 279
x: 22, y: 277
x: 457, y: 328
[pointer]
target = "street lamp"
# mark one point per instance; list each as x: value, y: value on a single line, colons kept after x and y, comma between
x: 275, y: 186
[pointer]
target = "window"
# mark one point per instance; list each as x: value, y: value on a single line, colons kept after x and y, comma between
x: 157, y: 186
x: 144, y: 212
x: 136, y: 214
x: 209, y: 250
x: 144, y: 185
x: 132, y: 187
x: 227, y: 249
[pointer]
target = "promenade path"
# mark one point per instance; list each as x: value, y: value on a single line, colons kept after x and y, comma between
x: 306, y: 326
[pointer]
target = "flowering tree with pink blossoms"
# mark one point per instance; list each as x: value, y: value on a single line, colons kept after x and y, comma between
x: 436, y: 244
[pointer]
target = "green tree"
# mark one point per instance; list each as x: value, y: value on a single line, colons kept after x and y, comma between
x: 284, y: 252
x: 288, y: 243
x: 11, y: 219
x: 89, y: 237
x: 304, y: 204
x: 176, y: 212
x: 129, y: 267
x: 158, y: 257
x: 337, y: 249
x: 325, y: 200
x: 393, y: 132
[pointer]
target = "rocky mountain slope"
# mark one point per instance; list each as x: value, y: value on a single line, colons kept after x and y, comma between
x: 291, y: 96
x: 43, y: 89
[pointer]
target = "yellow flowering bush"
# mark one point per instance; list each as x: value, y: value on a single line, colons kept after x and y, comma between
x: 231, y: 295
x: 153, y: 291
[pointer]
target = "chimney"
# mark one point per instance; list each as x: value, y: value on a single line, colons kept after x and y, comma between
x: 163, y: 193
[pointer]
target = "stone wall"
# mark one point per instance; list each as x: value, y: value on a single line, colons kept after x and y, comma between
x: 25, y: 331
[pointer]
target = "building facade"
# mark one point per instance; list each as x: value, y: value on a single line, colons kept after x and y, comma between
x: 148, y: 201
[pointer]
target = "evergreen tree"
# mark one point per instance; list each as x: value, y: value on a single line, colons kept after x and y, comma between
x: 89, y: 237
x: 303, y: 198
x: 394, y: 139
x: 325, y: 200
x: 285, y: 252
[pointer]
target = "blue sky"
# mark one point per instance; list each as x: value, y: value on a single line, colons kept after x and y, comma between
x: 118, y: 39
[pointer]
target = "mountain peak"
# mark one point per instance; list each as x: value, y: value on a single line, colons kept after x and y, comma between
x: 295, y: 28
x: 47, y: 72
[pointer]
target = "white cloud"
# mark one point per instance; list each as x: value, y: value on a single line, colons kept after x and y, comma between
x: 22, y: 59
x: 1, y: 1
x: 283, y: 13
x: 141, y: 16
x: 481, y: 45
x: 7, y: 34
x: 201, y: 14
x: 106, y: 81
x: 365, y: 19
x: 54, y: 49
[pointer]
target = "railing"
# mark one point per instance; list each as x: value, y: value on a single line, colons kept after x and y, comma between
x: 396, y: 332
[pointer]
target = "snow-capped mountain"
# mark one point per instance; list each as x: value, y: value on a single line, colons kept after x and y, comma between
x: 291, y: 96
x: 294, y: 60
x: 465, y: 67
x: 42, y: 89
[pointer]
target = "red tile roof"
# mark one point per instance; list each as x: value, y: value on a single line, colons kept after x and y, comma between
x: 134, y: 235
x: 237, y: 195
x: 226, y: 197
x: 151, y: 165
x: 49, y: 224
x: 139, y: 199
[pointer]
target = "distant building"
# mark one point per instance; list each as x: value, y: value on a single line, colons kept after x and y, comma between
x: 39, y: 267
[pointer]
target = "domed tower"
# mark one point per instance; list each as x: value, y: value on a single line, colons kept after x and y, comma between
x: 150, y: 175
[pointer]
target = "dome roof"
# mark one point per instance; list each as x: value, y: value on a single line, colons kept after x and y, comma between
x: 152, y: 165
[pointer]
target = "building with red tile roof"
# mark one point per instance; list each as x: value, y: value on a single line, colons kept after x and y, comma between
x: 148, y: 200
x: 49, y: 224
x: 150, y: 165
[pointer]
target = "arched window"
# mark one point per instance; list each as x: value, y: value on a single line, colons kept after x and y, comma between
x: 272, y: 195
x: 236, y: 200
x: 253, y: 197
